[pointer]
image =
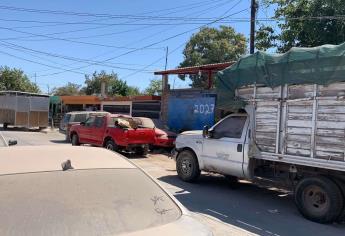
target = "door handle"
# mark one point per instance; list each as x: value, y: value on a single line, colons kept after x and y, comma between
x: 239, y: 147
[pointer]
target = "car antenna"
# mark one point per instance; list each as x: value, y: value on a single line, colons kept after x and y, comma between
x: 67, y: 165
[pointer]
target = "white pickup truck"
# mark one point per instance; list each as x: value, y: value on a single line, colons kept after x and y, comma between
x: 292, y: 135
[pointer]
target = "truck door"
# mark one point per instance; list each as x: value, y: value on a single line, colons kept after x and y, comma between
x: 85, y: 131
x: 223, y: 148
x: 98, y: 129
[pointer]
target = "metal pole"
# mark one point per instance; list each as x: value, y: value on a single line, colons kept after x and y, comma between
x: 166, y: 58
x: 253, y: 8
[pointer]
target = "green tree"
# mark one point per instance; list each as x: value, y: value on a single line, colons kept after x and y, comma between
x: 212, y: 45
x: 154, y: 88
x: 15, y: 79
x: 67, y: 90
x: 308, y: 23
x: 133, y: 91
x: 115, y: 86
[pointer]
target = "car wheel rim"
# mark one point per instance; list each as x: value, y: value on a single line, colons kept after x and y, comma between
x: 110, y: 147
x: 316, y: 200
x: 186, y: 167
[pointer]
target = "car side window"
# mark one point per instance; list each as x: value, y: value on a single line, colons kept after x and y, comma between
x: 79, y: 118
x: 99, y: 120
x: 231, y: 127
x: 89, y: 122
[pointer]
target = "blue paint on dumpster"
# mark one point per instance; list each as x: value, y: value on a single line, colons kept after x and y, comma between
x: 190, y: 113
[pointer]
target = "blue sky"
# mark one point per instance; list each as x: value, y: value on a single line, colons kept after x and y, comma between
x: 42, y: 43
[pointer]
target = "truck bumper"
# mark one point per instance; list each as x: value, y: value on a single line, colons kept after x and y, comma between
x: 174, y: 153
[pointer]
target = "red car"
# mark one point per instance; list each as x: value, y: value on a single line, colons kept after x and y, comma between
x: 114, y: 132
x: 163, y: 138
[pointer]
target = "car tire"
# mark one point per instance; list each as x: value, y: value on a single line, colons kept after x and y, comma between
x: 5, y: 125
x: 111, y: 145
x: 319, y: 199
x: 142, y: 151
x: 341, y: 185
x: 68, y: 138
x: 232, y: 181
x: 187, y: 166
x: 75, y: 140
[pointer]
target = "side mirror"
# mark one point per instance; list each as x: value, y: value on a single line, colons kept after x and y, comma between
x: 12, y: 142
x: 205, y: 131
x: 82, y: 123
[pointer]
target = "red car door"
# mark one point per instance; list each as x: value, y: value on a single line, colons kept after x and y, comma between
x: 85, y: 130
x: 98, y: 129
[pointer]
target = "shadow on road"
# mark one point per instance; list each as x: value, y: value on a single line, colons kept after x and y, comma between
x: 58, y: 141
x: 21, y: 129
x: 259, y: 210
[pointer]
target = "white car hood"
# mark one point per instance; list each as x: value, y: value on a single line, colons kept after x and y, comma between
x: 186, y: 226
x: 193, y: 133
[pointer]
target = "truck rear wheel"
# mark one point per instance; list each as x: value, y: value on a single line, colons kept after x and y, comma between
x: 5, y: 125
x: 142, y: 151
x: 75, y: 140
x: 319, y: 199
x: 187, y: 166
x: 341, y: 185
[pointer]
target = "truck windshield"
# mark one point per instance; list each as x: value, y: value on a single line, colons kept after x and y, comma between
x: 83, y: 202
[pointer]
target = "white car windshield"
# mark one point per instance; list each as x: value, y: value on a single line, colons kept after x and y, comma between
x: 3, y: 142
x: 85, y: 202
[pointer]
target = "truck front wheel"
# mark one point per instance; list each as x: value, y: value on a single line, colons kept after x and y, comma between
x: 187, y: 166
x: 75, y: 140
x: 319, y: 199
x: 111, y: 145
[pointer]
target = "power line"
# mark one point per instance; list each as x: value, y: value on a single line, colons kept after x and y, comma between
x: 208, y: 10
x: 24, y: 49
x: 69, y: 40
x: 39, y: 63
x: 84, y: 14
x: 158, y: 42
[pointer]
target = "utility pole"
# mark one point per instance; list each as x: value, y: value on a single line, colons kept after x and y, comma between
x: 48, y: 89
x: 166, y: 57
x: 35, y: 77
x: 253, y: 8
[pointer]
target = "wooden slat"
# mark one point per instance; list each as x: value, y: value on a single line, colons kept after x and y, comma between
x: 300, y: 91
x: 266, y: 128
x: 299, y: 116
x: 330, y: 155
x: 298, y: 152
x: 331, y: 132
x: 298, y: 130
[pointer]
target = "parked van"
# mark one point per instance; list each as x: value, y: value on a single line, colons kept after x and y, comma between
x: 74, y: 117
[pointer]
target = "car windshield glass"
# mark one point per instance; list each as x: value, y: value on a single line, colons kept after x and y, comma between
x: 66, y: 118
x: 83, y: 202
x: 2, y: 141
x: 79, y: 117
x: 144, y: 122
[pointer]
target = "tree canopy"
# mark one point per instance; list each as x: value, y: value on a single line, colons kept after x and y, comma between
x: 68, y: 90
x: 212, y: 45
x: 115, y: 86
x: 154, y: 88
x: 308, y: 23
x: 15, y: 79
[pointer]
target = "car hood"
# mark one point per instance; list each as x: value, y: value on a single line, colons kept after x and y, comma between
x: 192, y: 133
x: 165, y: 132
x: 186, y: 225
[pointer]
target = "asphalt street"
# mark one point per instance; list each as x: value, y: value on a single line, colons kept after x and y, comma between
x: 243, y: 211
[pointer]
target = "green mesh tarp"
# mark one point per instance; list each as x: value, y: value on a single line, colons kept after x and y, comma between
x: 318, y: 65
